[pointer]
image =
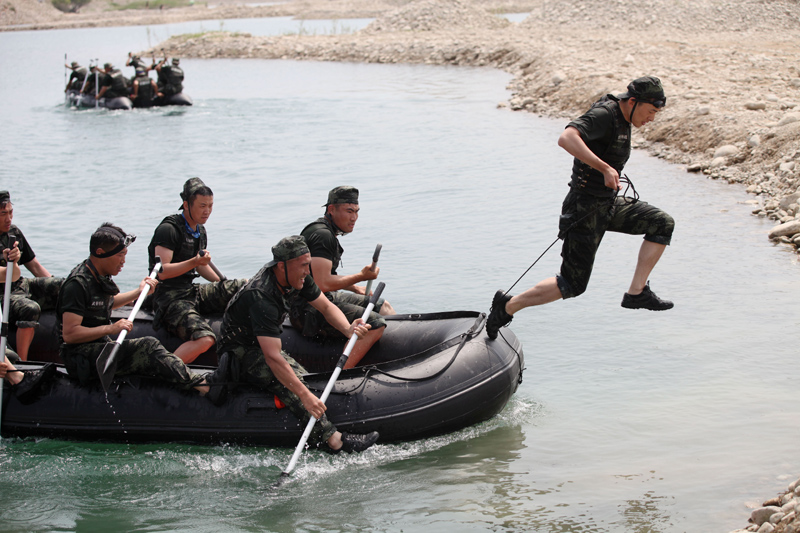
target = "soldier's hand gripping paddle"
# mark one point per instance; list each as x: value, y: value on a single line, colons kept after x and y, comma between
x: 213, y: 267
x: 372, y: 267
x: 107, y: 360
x: 338, y: 370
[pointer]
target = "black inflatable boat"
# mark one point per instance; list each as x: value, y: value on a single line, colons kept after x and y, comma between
x: 429, y: 374
x: 75, y: 99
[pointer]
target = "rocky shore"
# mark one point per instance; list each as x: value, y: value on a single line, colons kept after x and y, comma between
x: 731, y: 70
x: 780, y: 514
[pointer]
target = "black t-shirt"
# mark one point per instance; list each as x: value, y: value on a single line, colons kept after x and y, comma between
x: 27, y: 254
x: 322, y: 242
x: 259, y: 309
x: 173, y: 235
x: 84, y: 296
x: 596, y: 128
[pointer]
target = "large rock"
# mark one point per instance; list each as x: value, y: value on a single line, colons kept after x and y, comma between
x: 789, y: 118
x: 726, y: 151
x: 786, y: 201
x: 785, y: 230
x: 762, y: 514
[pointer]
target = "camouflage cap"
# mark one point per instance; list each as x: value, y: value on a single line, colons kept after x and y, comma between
x: 5, y: 196
x: 74, y: 64
x: 343, y: 194
x: 647, y: 89
x: 191, y: 186
x: 175, y: 61
x: 287, y: 249
x: 108, y: 66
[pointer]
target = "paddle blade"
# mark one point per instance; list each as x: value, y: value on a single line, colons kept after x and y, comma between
x: 281, y: 480
x: 107, y: 364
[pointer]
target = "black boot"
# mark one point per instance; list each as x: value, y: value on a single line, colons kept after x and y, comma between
x: 26, y: 389
x: 646, y: 300
x: 217, y: 381
x: 354, y: 442
x: 498, y: 317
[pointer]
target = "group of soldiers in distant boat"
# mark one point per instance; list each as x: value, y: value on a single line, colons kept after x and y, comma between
x: 109, y: 82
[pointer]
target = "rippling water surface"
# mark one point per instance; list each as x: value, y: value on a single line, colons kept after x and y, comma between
x: 626, y: 420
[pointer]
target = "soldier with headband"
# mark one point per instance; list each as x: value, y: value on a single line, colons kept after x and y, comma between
x: 84, y: 315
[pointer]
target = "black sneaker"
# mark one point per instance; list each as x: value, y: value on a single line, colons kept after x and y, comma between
x: 355, y: 442
x: 217, y: 381
x: 26, y: 389
x: 646, y: 300
x: 498, y: 317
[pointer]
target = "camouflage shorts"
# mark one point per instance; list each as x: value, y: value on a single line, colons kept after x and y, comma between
x: 144, y: 356
x: 585, y: 219
x: 311, y: 322
x: 249, y: 366
x: 181, y: 310
x: 31, y: 297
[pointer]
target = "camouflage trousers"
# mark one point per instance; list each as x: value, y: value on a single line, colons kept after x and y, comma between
x: 144, y: 356
x: 311, y: 322
x: 249, y: 366
x: 585, y: 219
x: 181, y: 310
x: 31, y: 297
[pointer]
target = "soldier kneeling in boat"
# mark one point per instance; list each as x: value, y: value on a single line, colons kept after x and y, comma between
x: 84, y: 317
x: 178, y: 303
x: 251, y: 344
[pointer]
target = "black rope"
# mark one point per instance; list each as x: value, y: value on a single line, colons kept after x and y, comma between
x: 624, y: 179
x: 476, y: 328
x: 628, y: 200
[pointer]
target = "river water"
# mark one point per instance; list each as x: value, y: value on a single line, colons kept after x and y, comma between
x: 626, y: 420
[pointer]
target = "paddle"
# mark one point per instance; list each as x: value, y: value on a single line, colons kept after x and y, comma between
x: 342, y: 360
x: 107, y: 360
x: 66, y: 96
x: 374, y: 264
x: 213, y: 267
x: 6, y: 309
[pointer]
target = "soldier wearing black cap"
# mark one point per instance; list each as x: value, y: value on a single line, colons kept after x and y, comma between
x: 84, y: 316
x: 29, y: 296
x: 341, y: 214
x: 178, y: 302
x: 600, y: 142
x: 250, y: 340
